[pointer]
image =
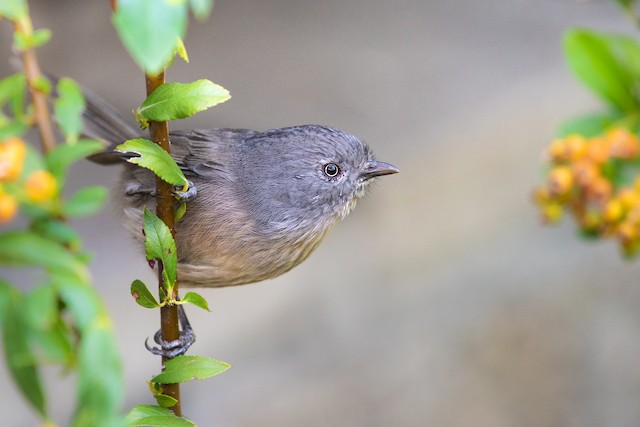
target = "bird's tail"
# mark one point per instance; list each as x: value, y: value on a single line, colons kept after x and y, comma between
x: 103, y: 122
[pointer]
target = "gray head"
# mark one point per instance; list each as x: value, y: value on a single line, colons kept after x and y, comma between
x: 301, y: 180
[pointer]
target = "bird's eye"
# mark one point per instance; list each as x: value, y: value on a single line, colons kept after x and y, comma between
x: 331, y: 170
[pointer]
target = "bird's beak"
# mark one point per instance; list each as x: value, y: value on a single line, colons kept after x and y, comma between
x: 373, y: 169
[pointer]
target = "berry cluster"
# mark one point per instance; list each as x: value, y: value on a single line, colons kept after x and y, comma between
x: 596, y: 180
x: 38, y: 187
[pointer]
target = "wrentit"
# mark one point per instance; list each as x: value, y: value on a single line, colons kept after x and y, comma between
x: 264, y: 202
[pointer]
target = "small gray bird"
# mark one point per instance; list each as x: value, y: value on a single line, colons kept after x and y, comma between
x: 264, y: 202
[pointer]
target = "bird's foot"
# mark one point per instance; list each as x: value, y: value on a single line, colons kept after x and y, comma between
x: 185, y: 196
x: 170, y: 349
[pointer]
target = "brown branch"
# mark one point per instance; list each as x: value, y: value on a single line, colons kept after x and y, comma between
x: 38, y: 98
x: 159, y: 132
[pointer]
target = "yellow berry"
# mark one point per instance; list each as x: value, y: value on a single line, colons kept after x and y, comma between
x: 627, y: 232
x: 613, y: 210
x: 551, y: 212
x: 558, y: 151
x: 8, y: 207
x: 576, y: 146
x: 12, y: 154
x: 40, y: 186
x: 560, y: 180
x: 629, y: 198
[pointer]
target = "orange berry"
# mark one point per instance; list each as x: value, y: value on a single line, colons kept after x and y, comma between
x: 585, y: 172
x: 8, y: 207
x: 40, y: 186
x: 598, y: 150
x: 627, y: 232
x: 624, y: 144
x: 12, y: 154
x: 599, y: 189
x: 560, y: 180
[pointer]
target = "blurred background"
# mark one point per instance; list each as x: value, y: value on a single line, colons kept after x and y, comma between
x: 440, y: 300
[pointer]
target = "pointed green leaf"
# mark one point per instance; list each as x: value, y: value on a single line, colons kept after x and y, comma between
x: 22, y: 41
x: 19, y: 357
x: 155, y: 416
x: 165, y: 401
x: 58, y: 231
x: 64, y: 155
x: 142, y: 295
x: 159, y: 244
x: 201, y: 8
x: 188, y: 368
x: 100, y: 378
x: 26, y: 249
x: 12, y: 91
x: 180, y: 211
x: 13, y: 9
x: 86, y: 201
x: 68, y: 108
x: 172, y: 101
x: 181, y: 51
x: 588, y: 125
x: 592, y: 60
x: 196, y: 299
x: 150, y: 29
x: 154, y: 158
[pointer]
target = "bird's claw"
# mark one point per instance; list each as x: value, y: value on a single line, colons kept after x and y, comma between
x: 170, y: 349
x: 185, y: 196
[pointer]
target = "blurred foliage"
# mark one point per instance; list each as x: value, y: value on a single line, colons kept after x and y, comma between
x: 59, y: 319
x: 593, y: 168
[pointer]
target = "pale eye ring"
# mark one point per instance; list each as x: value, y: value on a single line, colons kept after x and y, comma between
x: 331, y: 170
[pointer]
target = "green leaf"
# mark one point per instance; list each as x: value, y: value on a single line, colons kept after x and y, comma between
x: 142, y: 295
x: 100, y: 378
x: 201, y: 8
x: 180, y: 211
x: 150, y: 29
x: 196, y: 299
x: 27, y: 249
x: 188, y: 368
x: 64, y: 155
x: 13, y: 9
x: 593, y: 62
x: 19, y: 357
x: 155, y: 416
x: 68, y: 109
x: 181, y: 51
x: 40, y: 309
x: 159, y: 244
x: 165, y: 401
x: 172, y: 101
x: 58, y: 231
x: 154, y: 158
x: 86, y: 201
x: 80, y: 299
x: 22, y: 41
x: 588, y: 125
x: 12, y: 91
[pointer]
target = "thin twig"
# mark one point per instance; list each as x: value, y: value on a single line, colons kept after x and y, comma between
x: 159, y: 132
x: 38, y: 98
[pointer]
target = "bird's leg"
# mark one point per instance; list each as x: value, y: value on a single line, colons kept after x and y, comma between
x: 177, y: 347
x: 185, y: 196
